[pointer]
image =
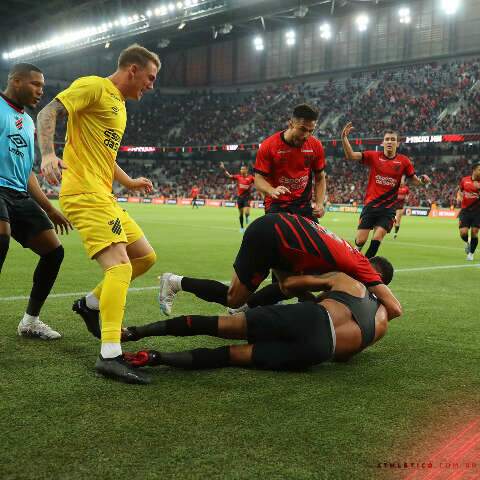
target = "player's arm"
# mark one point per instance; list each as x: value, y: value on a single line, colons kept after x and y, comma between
x: 387, y: 299
x: 222, y: 166
x: 58, y: 219
x: 297, y: 284
x: 46, y: 122
x: 263, y: 186
x: 140, y: 183
x: 347, y: 148
x: 320, y: 190
x: 419, y: 180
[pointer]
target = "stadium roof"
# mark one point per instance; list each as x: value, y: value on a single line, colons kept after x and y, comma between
x: 24, y: 22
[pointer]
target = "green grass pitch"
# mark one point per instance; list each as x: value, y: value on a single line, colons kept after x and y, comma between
x: 395, y: 402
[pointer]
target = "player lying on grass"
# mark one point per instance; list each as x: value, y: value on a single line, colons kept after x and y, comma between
x: 343, y: 321
x: 290, y: 245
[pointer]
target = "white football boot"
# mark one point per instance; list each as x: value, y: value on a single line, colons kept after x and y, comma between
x: 167, y: 292
x: 37, y: 329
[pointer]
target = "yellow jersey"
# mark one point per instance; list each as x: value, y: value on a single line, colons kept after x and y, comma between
x: 96, y: 122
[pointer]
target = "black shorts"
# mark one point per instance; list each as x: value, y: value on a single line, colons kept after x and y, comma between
x: 290, y: 336
x: 302, y: 210
x: 258, y: 252
x: 469, y: 218
x: 399, y: 206
x: 24, y: 215
x: 243, y: 202
x: 377, y: 217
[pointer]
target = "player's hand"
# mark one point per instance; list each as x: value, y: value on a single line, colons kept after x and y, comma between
x: 280, y: 190
x: 425, y: 179
x: 59, y: 221
x: 141, y: 183
x: 52, y: 168
x: 318, y: 210
x: 347, y: 129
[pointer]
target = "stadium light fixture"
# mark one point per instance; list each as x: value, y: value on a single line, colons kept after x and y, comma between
x: 171, y: 7
x: 362, y: 22
x: 258, y: 44
x: 450, y: 7
x: 325, y: 31
x: 290, y: 37
x: 404, y: 15
x: 148, y: 13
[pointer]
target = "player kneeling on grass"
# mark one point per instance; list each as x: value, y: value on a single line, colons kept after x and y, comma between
x: 290, y: 245
x: 343, y: 321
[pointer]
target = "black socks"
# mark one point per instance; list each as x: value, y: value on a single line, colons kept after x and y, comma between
x: 209, y: 290
x: 4, y: 244
x: 196, y: 359
x: 373, y: 248
x: 183, y: 326
x: 43, y: 279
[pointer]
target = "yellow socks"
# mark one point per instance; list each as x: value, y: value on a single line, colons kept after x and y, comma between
x: 112, y: 301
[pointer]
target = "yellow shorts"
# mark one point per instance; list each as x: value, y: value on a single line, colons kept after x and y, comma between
x: 99, y: 220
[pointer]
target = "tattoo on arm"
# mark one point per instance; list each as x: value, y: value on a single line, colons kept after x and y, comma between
x: 46, y: 122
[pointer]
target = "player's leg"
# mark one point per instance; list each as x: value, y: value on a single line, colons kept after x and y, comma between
x: 48, y: 247
x: 377, y: 238
x: 246, y: 212
x: 240, y: 214
x: 214, y: 291
x: 398, y: 219
x: 251, y: 266
x: 473, y: 240
x: 142, y: 258
x: 361, y: 238
x: 4, y: 241
x: 117, y: 274
x: 463, y: 230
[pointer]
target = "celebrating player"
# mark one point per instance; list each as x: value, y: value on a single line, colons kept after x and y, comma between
x: 194, y: 194
x: 96, y: 122
x: 469, y: 217
x: 386, y: 171
x: 346, y: 320
x: 290, y: 245
x: 287, y: 165
x: 402, y: 196
x: 26, y: 214
x: 244, y: 189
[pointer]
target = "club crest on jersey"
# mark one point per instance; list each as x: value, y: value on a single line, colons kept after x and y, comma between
x: 307, y: 160
x: 19, y: 123
x: 397, y: 167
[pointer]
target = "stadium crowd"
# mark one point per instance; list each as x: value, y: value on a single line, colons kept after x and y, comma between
x: 415, y: 99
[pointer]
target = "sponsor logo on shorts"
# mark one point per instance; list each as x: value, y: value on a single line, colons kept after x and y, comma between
x: 116, y: 226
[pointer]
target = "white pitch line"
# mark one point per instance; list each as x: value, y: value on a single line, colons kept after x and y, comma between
x: 141, y: 289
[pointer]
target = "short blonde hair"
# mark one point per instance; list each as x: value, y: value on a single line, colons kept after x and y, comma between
x: 138, y: 55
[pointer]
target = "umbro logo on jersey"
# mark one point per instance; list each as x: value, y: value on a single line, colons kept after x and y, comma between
x: 19, y: 123
x: 116, y: 226
x: 18, y: 140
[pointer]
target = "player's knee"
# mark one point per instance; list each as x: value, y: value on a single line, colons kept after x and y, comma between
x: 56, y: 256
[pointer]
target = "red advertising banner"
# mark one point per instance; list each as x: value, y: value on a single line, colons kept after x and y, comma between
x: 443, y: 213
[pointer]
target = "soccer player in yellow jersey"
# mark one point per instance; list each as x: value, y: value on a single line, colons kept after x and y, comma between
x: 97, y: 117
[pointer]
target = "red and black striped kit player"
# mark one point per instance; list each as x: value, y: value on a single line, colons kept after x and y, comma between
x: 289, y: 168
x: 244, y: 183
x: 469, y: 216
x: 290, y: 245
x: 386, y: 171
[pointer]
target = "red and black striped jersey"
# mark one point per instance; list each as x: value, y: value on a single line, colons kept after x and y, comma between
x: 293, y: 167
x: 308, y: 248
x: 385, y: 177
x: 244, y: 184
x: 471, y: 194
